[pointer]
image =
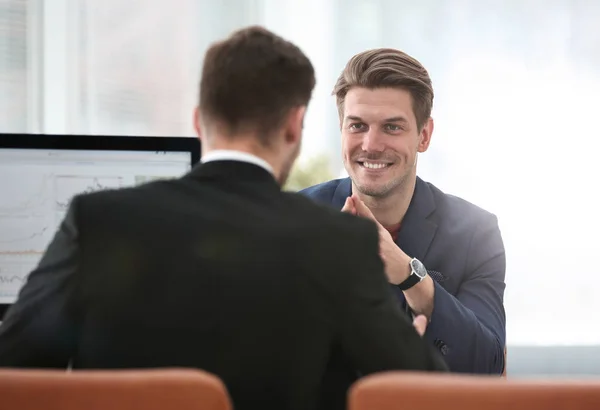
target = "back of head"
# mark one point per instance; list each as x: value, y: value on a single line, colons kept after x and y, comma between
x: 388, y: 68
x: 250, y: 82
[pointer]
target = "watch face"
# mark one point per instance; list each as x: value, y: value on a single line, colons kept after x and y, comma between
x: 418, y: 268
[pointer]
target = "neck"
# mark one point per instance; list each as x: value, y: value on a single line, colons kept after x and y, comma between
x: 389, y: 210
x: 245, y: 146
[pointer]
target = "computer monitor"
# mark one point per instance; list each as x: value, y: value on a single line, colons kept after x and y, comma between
x: 39, y: 174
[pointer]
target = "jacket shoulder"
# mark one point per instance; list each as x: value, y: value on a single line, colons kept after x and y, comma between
x: 453, y: 206
x: 322, y: 193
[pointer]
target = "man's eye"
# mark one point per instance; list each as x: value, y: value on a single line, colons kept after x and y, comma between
x: 392, y: 127
x: 356, y: 126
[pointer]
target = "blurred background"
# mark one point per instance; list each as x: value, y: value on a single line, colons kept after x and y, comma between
x: 517, y: 86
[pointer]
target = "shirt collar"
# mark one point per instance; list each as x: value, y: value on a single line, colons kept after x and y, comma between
x: 232, y: 155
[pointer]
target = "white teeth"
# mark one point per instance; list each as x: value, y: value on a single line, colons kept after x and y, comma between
x: 373, y: 166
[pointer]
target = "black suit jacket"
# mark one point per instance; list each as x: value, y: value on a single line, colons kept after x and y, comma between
x: 218, y: 270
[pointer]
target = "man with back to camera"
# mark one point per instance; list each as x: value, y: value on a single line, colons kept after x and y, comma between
x: 443, y: 256
x: 206, y: 271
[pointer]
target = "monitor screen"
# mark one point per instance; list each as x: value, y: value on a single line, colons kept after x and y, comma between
x: 38, y: 178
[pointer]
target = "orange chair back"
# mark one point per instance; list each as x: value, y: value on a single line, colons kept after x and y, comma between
x: 434, y: 391
x: 115, y: 390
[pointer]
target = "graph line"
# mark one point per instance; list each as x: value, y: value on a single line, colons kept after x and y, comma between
x: 67, y: 186
x: 11, y: 279
x: 25, y: 238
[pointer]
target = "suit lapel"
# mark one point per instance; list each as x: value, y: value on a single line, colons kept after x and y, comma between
x: 342, y: 191
x: 416, y: 231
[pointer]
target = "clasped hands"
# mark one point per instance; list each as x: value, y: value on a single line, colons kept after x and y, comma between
x: 395, y: 261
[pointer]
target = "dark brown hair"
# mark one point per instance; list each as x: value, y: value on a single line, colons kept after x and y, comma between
x: 386, y: 67
x: 251, y: 80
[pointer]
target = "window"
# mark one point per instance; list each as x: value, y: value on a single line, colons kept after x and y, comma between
x: 135, y: 66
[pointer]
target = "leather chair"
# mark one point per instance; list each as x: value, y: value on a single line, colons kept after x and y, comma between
x: 115, y: 390
x: 434, y: 391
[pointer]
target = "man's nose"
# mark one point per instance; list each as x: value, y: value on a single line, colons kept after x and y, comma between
x: 372, y: 142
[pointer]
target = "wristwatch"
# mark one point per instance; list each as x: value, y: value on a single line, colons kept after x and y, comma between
x: 417, y: 274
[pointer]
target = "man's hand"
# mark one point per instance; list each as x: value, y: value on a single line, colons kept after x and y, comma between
x: 420, y: 324
x: 397, y: 263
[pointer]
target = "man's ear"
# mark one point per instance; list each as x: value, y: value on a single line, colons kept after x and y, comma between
x: 426, y: 135
x: 197, y: 124
x: 294, y: 125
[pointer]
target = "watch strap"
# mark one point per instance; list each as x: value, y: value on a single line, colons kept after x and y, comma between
x: 409, y: 282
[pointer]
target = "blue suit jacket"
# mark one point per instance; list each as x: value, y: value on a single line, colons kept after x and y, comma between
x: 461, y: 247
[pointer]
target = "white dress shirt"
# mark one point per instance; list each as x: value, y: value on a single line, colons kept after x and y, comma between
x: 231, y: 155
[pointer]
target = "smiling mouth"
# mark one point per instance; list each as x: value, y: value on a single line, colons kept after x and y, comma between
x: 374, y: 165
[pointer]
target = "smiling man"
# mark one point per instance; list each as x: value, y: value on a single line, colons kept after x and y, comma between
x: 444, y: 257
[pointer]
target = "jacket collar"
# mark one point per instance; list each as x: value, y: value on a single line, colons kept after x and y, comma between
x: 233, y: 171
x: 233, y: 155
